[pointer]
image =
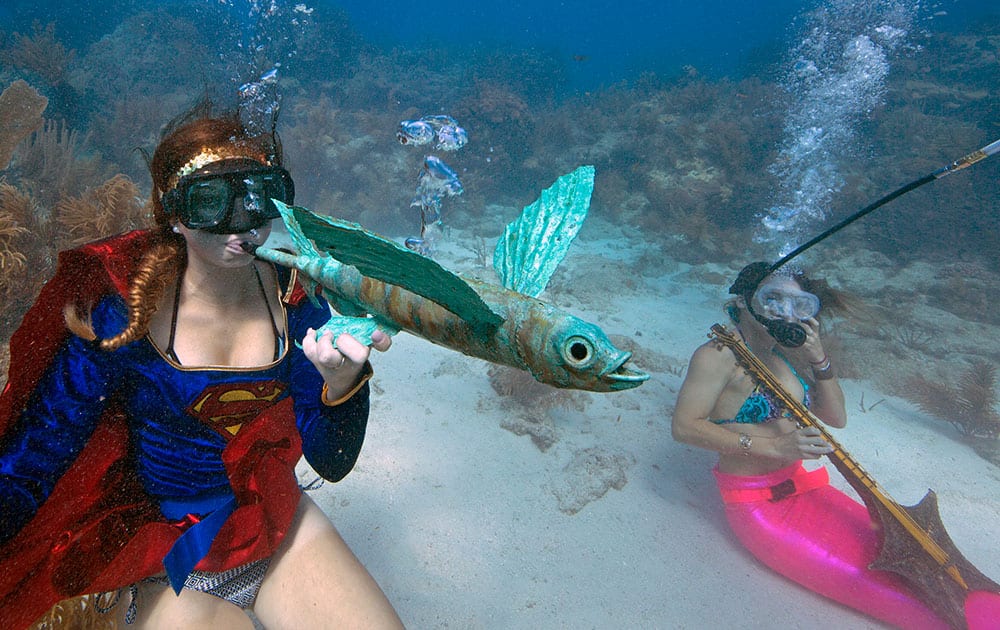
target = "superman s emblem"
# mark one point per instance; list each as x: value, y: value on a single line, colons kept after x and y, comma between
x: 226, y: 407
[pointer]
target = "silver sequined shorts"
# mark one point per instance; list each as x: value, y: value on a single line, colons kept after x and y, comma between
x: 238, y: 585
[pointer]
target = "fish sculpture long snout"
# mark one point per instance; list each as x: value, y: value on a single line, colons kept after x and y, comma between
x: 580, y: 356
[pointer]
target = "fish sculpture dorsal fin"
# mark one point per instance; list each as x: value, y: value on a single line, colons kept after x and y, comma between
x: 385, y: 260
x: 533, y: 245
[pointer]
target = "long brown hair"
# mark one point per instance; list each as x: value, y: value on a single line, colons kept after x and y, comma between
x: 184, y: 138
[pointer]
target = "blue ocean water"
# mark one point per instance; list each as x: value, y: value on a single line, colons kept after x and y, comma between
x: 601, y: 42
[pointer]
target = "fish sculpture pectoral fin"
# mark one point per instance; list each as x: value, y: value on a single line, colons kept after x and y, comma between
x: 361, y: 328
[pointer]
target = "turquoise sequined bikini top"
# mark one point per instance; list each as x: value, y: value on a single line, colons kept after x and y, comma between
x: 761, y: 406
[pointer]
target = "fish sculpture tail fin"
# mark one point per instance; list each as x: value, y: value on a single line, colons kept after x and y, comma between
x: 302, y: 244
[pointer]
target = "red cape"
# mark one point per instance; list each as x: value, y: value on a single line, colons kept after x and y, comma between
x: 98, y: 530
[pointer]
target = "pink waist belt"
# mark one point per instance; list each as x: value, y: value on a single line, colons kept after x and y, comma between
x: 800, y: 481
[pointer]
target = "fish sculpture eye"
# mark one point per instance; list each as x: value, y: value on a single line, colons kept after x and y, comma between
x: 578, y: 352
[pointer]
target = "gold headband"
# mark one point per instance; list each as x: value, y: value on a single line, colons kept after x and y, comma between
x: 208, y: 156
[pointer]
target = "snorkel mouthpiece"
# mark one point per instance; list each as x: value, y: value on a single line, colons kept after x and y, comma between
x: 788, y: 334
x: 248, y: 247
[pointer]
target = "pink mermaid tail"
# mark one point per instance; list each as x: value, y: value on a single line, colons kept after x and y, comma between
x: 982, y: 610
x: 820, y: 538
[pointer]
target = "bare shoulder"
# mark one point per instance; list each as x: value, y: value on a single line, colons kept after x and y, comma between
x: 712, y: 366
x: 711, y: 369
x: 714, y: 356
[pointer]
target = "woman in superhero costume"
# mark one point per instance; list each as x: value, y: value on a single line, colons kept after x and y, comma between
x: 162, y: 389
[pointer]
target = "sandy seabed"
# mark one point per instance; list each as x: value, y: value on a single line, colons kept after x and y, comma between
x: 474, y: 509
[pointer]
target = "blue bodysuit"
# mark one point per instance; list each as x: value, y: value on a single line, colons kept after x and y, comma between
x: 180, y: 419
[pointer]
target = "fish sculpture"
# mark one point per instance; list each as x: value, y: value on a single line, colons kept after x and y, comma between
x: 376, y: 283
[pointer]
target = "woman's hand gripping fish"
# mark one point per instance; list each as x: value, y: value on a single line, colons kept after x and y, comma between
x: 396, y: 289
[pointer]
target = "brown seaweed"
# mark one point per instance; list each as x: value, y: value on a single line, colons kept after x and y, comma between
x: 970, y: 406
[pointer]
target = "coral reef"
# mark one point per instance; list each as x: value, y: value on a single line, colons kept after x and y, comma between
x: 146, y: 70
x: 21, y: 108
x: 346, y: 162
x: 497, y: 104
x: 966, y: 289
x: 41, y: 54
x: 970, y: 406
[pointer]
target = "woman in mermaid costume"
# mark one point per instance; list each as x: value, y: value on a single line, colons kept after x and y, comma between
x: 786, y: 515
x: 162, y: 390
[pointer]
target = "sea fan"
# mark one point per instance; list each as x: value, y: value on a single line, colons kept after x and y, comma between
x: 111, y: 208
x: 11, y: 260
x: 21, y: 108
x: 16, y: 210
x: 970, y: 407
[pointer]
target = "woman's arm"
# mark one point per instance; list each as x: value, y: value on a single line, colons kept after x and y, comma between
x: 331, y: 420
x: 828, y: 403
x: 709, y: 370
x: 827, y: 396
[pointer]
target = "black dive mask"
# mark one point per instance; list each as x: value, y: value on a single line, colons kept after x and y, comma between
x: 230, y: 202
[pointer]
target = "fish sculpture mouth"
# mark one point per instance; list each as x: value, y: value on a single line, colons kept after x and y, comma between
x: 622, y: 376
